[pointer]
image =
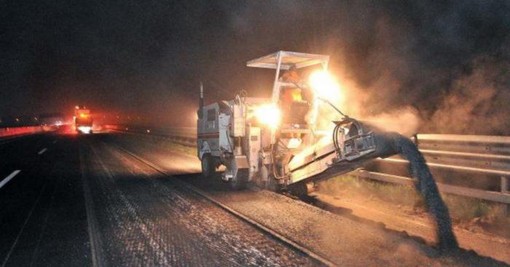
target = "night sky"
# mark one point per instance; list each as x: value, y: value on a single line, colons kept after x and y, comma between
x: 446, y: 61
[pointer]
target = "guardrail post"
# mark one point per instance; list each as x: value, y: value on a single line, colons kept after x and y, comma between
x: 504, y: 189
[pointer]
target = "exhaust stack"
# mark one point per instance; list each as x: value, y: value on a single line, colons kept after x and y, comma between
x: 201, y: 101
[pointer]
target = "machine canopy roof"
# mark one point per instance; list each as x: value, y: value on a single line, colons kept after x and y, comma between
x: 288, y: 59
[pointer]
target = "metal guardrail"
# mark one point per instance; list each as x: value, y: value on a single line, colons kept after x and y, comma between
x: 21, y: 130
x: 181, y: 135
x: 460, y: 153
x: 500, y: 197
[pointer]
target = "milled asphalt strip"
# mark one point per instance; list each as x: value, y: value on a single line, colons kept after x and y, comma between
x: 155, y: 244
x: 42, y: 151
x: 254, y: 223
x: 8, y: 178
x: 94, y: 237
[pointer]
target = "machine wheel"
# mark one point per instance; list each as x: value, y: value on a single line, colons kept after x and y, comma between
x: 241, y: 180
x: 207, y: 166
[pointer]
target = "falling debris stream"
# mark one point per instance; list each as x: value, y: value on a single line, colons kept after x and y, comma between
x: 427, y: 187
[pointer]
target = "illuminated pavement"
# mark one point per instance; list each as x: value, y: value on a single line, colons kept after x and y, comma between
x: 82, y: 200
x: 42, y: 213
x: 88, y: 203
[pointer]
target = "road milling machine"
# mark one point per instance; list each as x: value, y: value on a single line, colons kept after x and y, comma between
x: 277, y: 142
x: 282, y: 142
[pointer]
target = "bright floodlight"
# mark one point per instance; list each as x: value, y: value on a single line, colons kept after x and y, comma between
x: 325, y: 86
x: 269, y: 115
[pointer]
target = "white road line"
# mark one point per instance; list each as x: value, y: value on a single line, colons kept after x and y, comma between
x: 8, y: 178
x: 42, y: 151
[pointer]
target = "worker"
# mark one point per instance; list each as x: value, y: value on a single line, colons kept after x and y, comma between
x: 291, y: 93
x: 292, y: 104
x: 299, y: 92
x: 291, y: 76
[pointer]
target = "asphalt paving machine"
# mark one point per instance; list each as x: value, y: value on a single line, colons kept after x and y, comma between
x: 278, y: 141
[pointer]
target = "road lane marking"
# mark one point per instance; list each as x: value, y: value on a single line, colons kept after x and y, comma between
x: 8, y: 178
x: 42, y: 151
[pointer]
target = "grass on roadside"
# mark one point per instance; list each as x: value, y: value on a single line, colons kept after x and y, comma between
x: 462, y: 209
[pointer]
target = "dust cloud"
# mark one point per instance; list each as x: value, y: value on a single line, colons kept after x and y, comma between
x: 477, y: 102
x: 446, y: 65
x: 405, y: 120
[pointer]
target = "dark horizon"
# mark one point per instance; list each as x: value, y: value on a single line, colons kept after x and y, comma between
x: 447, y: 62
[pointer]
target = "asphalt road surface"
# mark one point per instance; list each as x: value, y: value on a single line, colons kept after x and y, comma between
x: 124, y: 200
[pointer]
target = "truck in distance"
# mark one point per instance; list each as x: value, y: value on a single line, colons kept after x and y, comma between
x: 82, y: 120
